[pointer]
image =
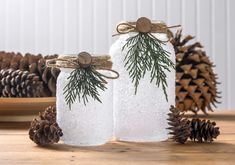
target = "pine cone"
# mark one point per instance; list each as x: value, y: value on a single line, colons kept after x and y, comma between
x: 34, y: 64
x: 179, y: 126
x: 16, y: 83
x: 47, y: 75
x: 196, y: 129
x: 196, y: 82
x: 15, y: 61
x: 49, y: 114
x: 203, y: 130
x: 44, y: 130
x: 6, y: 60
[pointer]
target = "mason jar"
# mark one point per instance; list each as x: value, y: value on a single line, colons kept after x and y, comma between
x: 140, y: 117
x: 84, y: 125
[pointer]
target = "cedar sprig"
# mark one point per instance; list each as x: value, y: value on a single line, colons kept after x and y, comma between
x: 83, y: 83
x: 145, y: 53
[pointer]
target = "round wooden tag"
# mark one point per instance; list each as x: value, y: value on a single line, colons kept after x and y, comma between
x: 143, y: 25
x: 84, y: 59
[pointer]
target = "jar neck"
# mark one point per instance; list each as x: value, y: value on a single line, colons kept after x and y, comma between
x: 160, y: 36
x: 66, y: 70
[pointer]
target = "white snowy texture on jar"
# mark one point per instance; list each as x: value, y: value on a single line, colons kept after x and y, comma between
x: 141, y: 117
x: 85, y: 125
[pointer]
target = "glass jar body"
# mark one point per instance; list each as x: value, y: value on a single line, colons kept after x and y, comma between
x: 141, y: 117
x: 84, y: 125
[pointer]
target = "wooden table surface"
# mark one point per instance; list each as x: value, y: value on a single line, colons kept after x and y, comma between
x: 17, y: 149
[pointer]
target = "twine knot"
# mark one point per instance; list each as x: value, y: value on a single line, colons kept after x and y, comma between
x: 144, y: 25
x: 84, y: 60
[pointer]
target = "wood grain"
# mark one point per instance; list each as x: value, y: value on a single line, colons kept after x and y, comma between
x: 16, y: 149
x: 23, y: 109
x: 24, y: 105
x: 27, y: 104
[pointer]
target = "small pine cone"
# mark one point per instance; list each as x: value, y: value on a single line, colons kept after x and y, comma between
x: 15, y: 61
x: 41, y: 65
x: 44, y: 132
x: 31, y: 58
x: 6, y: 63
x: 55, y: 72
x: 16, y: 83
x: 179, y: 126
x: 24, y: 64
x: 48, y: 75
x: 33, y: 68
x: 49, y: 114
x: 52, y: 86
x: 203, y: 130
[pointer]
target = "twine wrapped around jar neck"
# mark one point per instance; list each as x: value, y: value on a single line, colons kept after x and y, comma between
x: 84, y: 60
x: 144, y: 25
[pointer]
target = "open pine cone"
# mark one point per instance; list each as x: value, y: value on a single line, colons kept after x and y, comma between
x: 202, y: 130
x: 34, y: 64
x: 179, y: 126
x: 196, y: 129
x: 17, y: 83
x: 45, y: 130
x: 196, y: 82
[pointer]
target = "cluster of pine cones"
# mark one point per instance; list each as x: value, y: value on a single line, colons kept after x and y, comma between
x: 45, y: 130
x: 12, y: 64
x: 195, y: 129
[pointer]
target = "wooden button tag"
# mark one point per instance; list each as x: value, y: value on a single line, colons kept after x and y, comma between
x: 84, y: 59
x: 143, y: 25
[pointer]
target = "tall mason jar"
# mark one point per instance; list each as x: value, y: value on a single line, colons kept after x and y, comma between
x: 84, y: 125
x: 141, y: 117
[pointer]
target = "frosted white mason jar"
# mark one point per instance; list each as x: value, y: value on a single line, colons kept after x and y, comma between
x: 141, y: 117
x: 84, y: 125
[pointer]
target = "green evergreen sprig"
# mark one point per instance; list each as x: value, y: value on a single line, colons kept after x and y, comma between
x: 83, y: 83
x: 145, y: 53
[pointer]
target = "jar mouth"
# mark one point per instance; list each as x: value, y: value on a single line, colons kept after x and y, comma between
x: 66, y: 70
x: 160, y: 36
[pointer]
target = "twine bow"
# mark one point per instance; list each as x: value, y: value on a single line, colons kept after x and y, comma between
x: 144, y: 25
x: 84, y: 60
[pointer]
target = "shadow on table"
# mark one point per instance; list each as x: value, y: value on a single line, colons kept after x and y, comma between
x: 219, y: 117
x: 159, y: 147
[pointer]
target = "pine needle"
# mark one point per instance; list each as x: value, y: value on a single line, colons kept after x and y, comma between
x: 83, y: 83
x: 145, y: 53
